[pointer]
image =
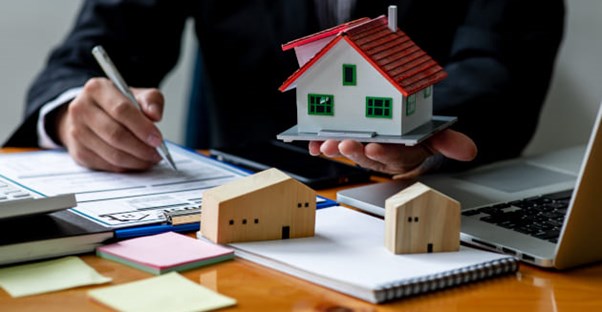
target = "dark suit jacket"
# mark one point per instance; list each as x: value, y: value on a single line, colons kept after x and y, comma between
x: 499, y: 56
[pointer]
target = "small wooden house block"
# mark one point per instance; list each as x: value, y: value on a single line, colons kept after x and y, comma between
x: 264, y: 206
x: 420, y: 219
x: 362, y: 79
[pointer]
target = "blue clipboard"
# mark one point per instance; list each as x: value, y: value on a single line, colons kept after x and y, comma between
x: 189, y: 227
x: 152, y: 229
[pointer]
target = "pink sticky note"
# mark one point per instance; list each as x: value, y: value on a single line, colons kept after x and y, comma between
x: 165, y: 252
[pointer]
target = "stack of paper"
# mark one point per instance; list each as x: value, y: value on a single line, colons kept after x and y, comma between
x: 165, y: 252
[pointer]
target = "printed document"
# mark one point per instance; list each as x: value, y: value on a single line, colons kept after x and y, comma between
x: 118, y: 200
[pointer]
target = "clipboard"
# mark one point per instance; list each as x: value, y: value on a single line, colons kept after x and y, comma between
x: 130, y: 204
x: 137, y: 231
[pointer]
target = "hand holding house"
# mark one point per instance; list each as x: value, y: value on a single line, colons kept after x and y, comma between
x: 365, y: 80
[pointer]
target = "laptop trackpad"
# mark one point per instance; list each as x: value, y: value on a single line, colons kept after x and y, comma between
x: 515, y: 178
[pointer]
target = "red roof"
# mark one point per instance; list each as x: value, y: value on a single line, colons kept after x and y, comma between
x: 393, y: 54
x: 323, y: 34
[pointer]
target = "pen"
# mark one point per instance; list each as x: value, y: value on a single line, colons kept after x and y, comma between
x: 111, y: 71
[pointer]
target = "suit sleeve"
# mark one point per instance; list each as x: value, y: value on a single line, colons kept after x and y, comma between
x: 142, y: 36
x: 500, y: 66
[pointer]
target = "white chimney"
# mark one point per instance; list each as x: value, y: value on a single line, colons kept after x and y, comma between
x: 393, y: 18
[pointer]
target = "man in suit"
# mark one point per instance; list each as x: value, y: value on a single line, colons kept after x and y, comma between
x: 499, y: 56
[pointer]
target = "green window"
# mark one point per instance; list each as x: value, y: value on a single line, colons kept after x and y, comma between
x: 411, y: 105
x: 428, y: 91
x: 378, y: 107
x: 320, y: 104
x: 349, y: 75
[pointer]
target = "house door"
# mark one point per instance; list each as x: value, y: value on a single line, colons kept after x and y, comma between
x: 286, y: 232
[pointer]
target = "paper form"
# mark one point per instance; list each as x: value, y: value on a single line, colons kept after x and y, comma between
x: 119, y: 200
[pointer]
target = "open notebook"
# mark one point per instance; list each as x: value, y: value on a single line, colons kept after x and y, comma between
x: 348, y: 255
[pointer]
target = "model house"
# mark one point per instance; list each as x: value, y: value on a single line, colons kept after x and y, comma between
x: 420, y: 219
x: 264, y: 206
x: 362, y: 79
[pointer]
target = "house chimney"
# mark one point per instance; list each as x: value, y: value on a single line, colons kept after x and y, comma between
x: 393, y: 18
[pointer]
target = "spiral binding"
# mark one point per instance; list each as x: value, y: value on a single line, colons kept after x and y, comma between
x: 446, y: 279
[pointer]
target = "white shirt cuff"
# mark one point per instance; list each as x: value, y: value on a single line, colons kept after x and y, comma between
x: 44, y: 139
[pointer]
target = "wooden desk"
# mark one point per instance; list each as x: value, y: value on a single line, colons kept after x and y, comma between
x: 259, y: 289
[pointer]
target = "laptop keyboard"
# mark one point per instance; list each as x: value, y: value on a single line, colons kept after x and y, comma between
x: 540, y: 216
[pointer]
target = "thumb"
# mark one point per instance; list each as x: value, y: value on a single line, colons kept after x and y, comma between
x: 454, y: 145
x: 151, y: 102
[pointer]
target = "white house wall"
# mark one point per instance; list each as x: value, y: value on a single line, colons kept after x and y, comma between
x: 325, y: 77
x: 422, y: 114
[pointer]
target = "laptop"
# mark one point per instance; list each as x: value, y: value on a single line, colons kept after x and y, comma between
x: 545, y: 210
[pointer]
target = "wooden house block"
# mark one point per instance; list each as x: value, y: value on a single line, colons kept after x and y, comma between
x: 420, y: 219
x: 264, y: 206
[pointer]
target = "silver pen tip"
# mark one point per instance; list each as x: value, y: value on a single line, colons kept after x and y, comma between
x: 164, y: 152
x: 171, y: 163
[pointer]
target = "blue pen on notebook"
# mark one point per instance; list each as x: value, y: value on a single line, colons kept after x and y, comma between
x: 111, y: 71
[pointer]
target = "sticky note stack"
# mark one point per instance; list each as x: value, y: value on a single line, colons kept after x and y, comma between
x: 166, y: 252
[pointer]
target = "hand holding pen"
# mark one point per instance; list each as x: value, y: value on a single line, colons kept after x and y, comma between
x: 102, y: 129
x: 111, y: 71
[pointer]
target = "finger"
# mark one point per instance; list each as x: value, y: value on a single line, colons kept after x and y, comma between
x: 73, y: 133
x: 115, y: 157
x: 314, y: 147
x: 116, y: 105
x: 151, y: 101
x: 113, y: 134
x: 354, y: 151
x: 454, y: 145
x: 87, y: 158
x: 410, y: 175
x: 330, y: 148
x: 398, y: 158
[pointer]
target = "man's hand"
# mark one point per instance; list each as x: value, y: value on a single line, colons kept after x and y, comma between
x: 399, y: 160
x: 102, y: 130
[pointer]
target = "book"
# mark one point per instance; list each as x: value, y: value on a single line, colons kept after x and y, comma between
x: 348, y: 255
x: 166, y: 252
x: 18, y: 200
x: 44, y: 236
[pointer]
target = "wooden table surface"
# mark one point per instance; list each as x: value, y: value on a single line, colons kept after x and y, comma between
x: 257, y: 288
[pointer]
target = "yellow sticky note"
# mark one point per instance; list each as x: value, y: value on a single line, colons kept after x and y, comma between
x: 47, y: 276
x: 169, y: 292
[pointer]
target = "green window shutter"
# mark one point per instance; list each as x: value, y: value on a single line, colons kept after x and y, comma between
x: 349, y: 75
x: 320, y: 104
x: 428, y: 91
x: 379, y: 107
x: 411, y: 105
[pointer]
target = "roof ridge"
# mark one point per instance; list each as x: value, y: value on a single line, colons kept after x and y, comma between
x: 358, y: 29
x: 393, y: 53
x: 332, y: 31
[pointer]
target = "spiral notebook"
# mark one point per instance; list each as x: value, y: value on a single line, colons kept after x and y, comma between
x: 348, y: 255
